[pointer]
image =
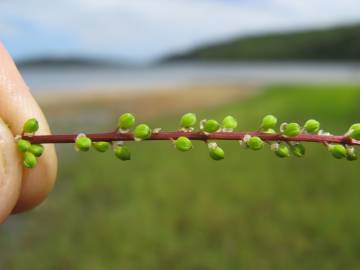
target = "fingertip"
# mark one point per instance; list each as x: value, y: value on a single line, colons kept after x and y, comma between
x: 33, y: 192
x: 10, y: 172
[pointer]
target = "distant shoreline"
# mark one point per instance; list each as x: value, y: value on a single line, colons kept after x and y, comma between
x: 187, y: 74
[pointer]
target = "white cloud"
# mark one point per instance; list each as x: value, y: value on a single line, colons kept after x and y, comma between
x: 145, y: 29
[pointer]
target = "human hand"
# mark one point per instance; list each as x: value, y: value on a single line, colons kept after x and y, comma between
x: 20, y: 189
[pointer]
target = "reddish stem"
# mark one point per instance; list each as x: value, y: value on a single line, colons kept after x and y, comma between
x: 197, y: 135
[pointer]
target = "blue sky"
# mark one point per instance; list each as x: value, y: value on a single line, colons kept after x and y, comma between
x: 143, y: 30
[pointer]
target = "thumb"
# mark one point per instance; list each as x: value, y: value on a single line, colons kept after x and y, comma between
x: 10, y: 172
x: 16, y: 106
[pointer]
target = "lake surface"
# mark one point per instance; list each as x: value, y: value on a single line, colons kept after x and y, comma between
x: 83, y: 78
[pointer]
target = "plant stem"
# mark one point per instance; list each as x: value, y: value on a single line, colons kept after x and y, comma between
x: 196, y: 135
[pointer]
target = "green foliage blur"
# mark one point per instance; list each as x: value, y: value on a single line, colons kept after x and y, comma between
x: 167, y: 209
x: 336, y: 44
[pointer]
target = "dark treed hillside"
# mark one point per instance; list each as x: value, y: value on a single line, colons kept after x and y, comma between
x: 340, y: 43
x: 67, y: 61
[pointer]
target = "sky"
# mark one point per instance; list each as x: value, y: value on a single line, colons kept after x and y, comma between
x: 144, y: 30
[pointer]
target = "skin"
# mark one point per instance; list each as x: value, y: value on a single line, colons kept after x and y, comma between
x: 21, y: 189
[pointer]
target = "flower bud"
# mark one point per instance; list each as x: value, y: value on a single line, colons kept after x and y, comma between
x: 183, y: 144
x: 142, y: 132
x: 83, y: 143
x: 354, y: 131
x: 23, y: 145
x: 101, y: 146
x: 337, y: 150
x: 37, y: 149
x: 215, y: 152
x: 281, y: 150
x: 188, y: 120
x: 298, y: 149
x: 312, y: 126
x: 292, y: 129
x: 31, y: 126
x: 122, y: 152
x: 211, y: 126
x: 29, y: 160
x: 126, y: 121
x: 269, y: 131
x: 229, y: 123
x: 351, y: 157
x: 269, y: 121
x: 255, y: 143
x: 350, y: 154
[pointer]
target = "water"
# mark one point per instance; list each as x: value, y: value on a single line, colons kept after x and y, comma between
x: 74, y: 78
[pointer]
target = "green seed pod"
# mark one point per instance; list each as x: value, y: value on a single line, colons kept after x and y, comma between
x: 183, y: 144
x: 355, y: 126
x: 298, y: 149
x: 281, y: 150
x: 337, y: 150
x: 37, y: 149
x: 292, y: 129
x: 229, y: 122
x: 29, y: 160
x: 23, y: 145
x: 312, y: 126
x: 83, y: 143
x: 101, y: 146
x: 126, y: 121
x: 216, y: 153
x: 31, y: 126
x: 211, y: 126
x: 350, y: 154
x: 188, y: 120
x: 354, y: 131
x: 351, y: 157
x: 122, y: 152
x: 142, y: 132
x: 255, y: 143
x: 269, y: 121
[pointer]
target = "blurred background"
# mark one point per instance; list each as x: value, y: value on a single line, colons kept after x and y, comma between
x: 88, y: 61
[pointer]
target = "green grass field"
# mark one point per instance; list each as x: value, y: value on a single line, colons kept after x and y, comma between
x: 171, y: 210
